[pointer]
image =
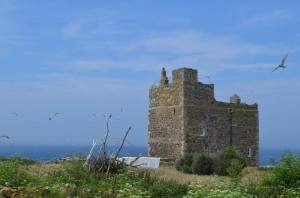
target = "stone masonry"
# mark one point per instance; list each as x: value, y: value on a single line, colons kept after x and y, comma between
x: 184, y: 117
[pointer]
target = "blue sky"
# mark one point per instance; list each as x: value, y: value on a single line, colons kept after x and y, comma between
x: 80, y: 59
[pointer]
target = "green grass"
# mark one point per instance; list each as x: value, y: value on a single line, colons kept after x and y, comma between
x: 70, y: 179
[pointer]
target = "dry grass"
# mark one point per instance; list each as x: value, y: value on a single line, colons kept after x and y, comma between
x: 169, y: 173
x: 250, y: 177
x: 44, y: 168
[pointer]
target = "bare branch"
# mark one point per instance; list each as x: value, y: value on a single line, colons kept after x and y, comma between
x: 122, y: 143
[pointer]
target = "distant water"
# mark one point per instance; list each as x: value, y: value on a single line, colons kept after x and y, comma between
x: 48, y: 153
x: 267, y: 153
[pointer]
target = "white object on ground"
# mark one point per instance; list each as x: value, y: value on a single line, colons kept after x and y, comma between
x: 142, y: 162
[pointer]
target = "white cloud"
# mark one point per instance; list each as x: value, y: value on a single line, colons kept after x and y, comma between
x: 266, y: 19
x: 188, y: 48
x: 146, y: 63
x: 73, y: 29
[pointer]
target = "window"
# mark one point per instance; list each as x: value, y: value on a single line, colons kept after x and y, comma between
x: 202, y: 130
x: 174, y: 111
x: 249, y: 152
x: 205, y: 148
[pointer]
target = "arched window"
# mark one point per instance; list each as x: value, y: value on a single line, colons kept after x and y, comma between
x: 201, y: 130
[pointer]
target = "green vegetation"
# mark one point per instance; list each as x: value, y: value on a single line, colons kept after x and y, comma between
x: 230, y: 162
x: 184, y: 163
x: 26, y: 178
x: 71, y: 179
x: 202, y: 164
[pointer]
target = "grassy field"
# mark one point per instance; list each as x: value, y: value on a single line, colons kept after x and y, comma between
x: 27, y: 178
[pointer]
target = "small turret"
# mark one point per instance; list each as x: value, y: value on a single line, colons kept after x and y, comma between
x: 235, y: 99
x: 164, y: 79
x: 185, y: 75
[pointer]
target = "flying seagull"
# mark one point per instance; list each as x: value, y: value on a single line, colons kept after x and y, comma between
x: 282, y: 64
x: 50, y: 118
x: 16, y: 114
x: 4, y: 136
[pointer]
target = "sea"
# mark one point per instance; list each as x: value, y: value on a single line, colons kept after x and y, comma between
x: 46, y: 153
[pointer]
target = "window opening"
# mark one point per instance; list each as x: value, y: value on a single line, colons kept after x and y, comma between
x: 205, y: 148
x: 249, y: 152
x: 202, y: 131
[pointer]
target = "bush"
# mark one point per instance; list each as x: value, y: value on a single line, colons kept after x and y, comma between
x: 236, y: 167
x: 202, y: 164
x: 184, y: 163
x: 286, y: 173
x: 231, y: 162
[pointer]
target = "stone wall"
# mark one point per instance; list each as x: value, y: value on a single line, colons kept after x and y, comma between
x: 180, y: 112
x: 215, y: 118
x: 164, y: 124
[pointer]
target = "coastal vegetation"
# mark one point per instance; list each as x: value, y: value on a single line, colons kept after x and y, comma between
x: 28, y: 178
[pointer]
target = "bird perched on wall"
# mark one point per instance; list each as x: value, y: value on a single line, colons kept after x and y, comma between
x: 282, y: 64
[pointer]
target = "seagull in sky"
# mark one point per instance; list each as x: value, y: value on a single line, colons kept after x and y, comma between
x: 16, y: 114
x: 55, y: 114
x: 4, y: 136
x: 282, y: 64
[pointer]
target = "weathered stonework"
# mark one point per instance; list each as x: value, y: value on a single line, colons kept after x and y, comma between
x: 185, y: 117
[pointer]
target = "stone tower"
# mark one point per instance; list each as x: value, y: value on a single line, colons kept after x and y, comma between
x: 184, y: 117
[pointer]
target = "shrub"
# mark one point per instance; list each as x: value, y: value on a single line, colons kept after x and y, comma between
x: 104, y: 161
x: 236, y: 167
x: 231, y: 162
x: 286, y: 173
x: 202, y: 164
x: 184, y: 163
